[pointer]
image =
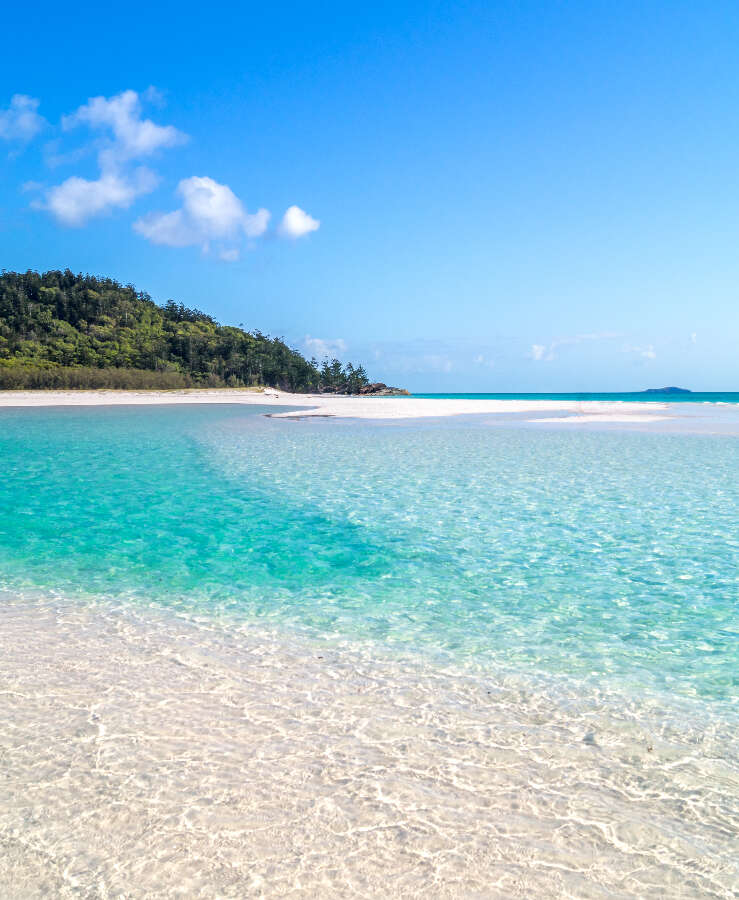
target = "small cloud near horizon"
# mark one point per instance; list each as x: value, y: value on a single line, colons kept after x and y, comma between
x: 645, y: 352
x: 322, y: 348
x: 546, y: 353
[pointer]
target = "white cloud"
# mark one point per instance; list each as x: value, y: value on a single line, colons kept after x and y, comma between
x: 538, y: 351
x: 21, y: 121
x: 210, y: 211
x: 76, y: 200
x: 133, y: 137
x: 646, y: 352
x: 255, y: 224
x: 323, y: 347
x: 487, y: 362
x: 296, y: 223
x: 693, y: 338
x: 171, y: 229
x: 212, y: 208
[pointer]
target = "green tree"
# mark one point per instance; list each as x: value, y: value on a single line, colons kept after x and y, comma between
x: 60, y: 329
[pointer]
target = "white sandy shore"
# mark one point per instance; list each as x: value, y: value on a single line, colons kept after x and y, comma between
x: 145, y: 755
x: 349, y: 407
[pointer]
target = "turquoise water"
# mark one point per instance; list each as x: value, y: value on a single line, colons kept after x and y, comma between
x: 603, y: 558
x: 621, y: 396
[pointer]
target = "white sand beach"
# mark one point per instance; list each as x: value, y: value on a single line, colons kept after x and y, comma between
x: 234, y: 763
x: 348, y: 407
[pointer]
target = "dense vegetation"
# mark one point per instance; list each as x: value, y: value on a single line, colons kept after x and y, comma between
x: 62, y: 330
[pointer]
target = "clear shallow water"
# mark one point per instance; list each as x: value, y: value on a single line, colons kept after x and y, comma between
x: 156, y: 756
x: 591, y: 555
x: 545, y: 624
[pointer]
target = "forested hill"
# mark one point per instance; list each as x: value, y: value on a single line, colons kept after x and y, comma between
x: 58, y: 329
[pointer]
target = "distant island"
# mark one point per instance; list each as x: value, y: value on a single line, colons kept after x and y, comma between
x: 667, y: 390
x: 62, y: 330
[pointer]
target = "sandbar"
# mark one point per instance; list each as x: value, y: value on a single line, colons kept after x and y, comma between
x: 333, y: 405
x: 683, y: 417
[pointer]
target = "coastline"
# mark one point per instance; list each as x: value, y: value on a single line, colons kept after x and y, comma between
x: 700, y: 417
x: 342, y: 406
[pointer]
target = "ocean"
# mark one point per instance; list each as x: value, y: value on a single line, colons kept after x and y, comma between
x: 469, y: 660
x: 610, y: 397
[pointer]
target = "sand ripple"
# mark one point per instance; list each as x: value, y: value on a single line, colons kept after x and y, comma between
x: 147, y: 756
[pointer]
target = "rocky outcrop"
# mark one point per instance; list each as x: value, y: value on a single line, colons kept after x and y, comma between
x: 379, y: 389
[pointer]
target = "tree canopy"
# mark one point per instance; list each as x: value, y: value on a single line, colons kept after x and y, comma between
x: 60, y: 329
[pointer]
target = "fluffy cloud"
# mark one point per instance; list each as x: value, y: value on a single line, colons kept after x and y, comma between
x: 21, y: 121
x: 76, y: 200
x: 538, y: 352
x: 296, y: 223
x: 210, y: 211
x: 323, y: 347
x: 121, y: 138
x: 132, y: 136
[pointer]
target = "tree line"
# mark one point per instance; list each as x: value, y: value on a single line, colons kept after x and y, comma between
x: 65, y: 330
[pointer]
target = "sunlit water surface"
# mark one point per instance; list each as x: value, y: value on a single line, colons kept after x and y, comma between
x: 244, y: 655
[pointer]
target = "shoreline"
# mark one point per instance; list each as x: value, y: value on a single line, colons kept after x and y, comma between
x: 277, y: 766
x: 342, y: 406
x: 683, y: 417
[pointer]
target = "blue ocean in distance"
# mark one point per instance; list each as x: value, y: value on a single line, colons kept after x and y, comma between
x: 604, y: 397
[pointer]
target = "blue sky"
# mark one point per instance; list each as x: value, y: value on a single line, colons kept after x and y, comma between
x: 468, y: 196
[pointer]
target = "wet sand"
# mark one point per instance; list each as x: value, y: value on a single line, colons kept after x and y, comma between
x: 148, y: 756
